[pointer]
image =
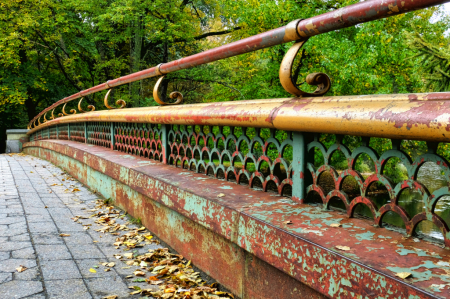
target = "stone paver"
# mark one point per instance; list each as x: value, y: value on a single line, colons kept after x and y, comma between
x: 36, y: 204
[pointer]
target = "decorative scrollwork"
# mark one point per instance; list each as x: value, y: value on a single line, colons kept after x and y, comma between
x: 73, y: 111
x: 173, y: 95
x: 53, y: 115
x: 122, y: 103
x: 321, y: 80
x: 45, y: 118
x: 90, y: 107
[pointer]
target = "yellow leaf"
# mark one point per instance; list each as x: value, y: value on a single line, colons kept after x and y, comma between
x: 64, y: 235
x: 21, y: 268
x: 345, y: 248
x: 403, y: 275
x: 92, y: 270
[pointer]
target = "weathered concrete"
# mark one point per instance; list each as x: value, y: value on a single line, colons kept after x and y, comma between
x: 202, y: 217
x: 15, y: 139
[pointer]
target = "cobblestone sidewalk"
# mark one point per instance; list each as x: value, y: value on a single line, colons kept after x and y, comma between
x: 37, y: 203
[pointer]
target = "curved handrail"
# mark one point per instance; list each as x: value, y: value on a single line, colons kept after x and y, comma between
x: 402, y: 116
x: 299, y: 29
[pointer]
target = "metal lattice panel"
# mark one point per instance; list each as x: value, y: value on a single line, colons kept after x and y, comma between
x: 139, y: 139
x: 53, y: 132
x: 63, y: 132
x: 99, y: 133
x: 429, y: 196
x: 77, y: 132
x: 258, y: 157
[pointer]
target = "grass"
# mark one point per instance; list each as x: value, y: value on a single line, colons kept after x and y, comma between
x: 135, y: 221
x: 108, y: 201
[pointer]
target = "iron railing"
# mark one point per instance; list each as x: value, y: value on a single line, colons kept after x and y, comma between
x: 276, y: 145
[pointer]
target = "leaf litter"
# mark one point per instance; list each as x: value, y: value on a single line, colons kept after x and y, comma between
x: 171, y: 274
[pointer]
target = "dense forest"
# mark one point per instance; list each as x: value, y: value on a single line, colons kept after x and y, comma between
x: 51, y: 49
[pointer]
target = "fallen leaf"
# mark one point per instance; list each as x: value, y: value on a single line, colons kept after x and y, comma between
x: 343, y: 247
x: 139, y: 273
x: 335, y: 225
x: 110, y: 297
x: 170, y: 290
x: 110, y: 265
x: 75, y: 190
x: 221, y: 195
x: 128, y: 255
x: 152, y: 278
x: 139, y: 280
x: 403, y: 275
x: 64, y: 235
x: 21, y: 268
x: 287, y: 222
x: 92, y: 270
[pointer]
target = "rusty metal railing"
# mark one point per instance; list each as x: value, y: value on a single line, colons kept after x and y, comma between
x: 277, y: 144
x: 298, y: 30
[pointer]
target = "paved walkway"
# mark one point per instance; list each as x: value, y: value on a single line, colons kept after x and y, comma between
x: 37, y: 202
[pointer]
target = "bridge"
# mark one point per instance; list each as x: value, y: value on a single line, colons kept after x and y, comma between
x: 249, y: 190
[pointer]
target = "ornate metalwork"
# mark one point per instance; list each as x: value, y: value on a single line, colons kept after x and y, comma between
x: 77, y: 132
x: 139, y: 139
x: 63, y: 132
x: 321, y: 80
x: 256, y: 157
x: 99, y: 133
x: 90, y: 107
x: 173, y: 95
x: 120, y: 102
x: 72, y: 111
x: 429, y: 197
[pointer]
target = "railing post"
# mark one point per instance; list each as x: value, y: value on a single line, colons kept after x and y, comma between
x: 68, y: 131
x: 85, y: 132
x: 299, y: 166
x: 112, y: 136
x: 165, y: 143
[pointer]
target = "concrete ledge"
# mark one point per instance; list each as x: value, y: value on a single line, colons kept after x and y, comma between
x: 240, y: 237
x: 15, y: 138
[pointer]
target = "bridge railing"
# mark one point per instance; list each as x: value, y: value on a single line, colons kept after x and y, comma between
x: 339, y: 151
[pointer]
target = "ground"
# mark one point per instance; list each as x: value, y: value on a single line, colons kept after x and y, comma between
x: 49, y: 246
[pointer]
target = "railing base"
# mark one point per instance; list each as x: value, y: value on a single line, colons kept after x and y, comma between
x: 239, y: 236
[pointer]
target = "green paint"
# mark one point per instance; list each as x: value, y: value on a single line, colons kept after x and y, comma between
x: 346, y: 282
x: 419, y: 252
x: 373, y: 248
x: 365, y: 236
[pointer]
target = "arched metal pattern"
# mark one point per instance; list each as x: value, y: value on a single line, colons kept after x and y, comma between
x: 429, y: 199
x: 99, y: 133
x: 250, y: 156
x: 139, y: 139
x: 77, y: 132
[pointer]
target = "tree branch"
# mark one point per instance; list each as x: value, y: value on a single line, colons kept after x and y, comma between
x: 209, y: 34
x: 58, y: 59
x: 209, y: 81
